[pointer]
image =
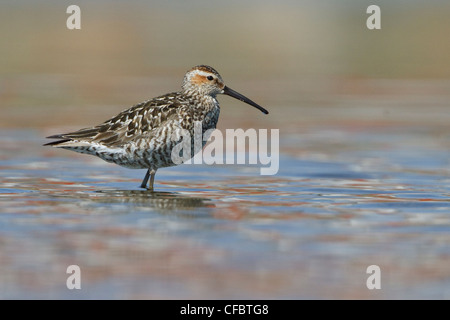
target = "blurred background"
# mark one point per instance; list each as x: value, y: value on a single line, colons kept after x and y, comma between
x: 364, y: 142
x: 288, y: 56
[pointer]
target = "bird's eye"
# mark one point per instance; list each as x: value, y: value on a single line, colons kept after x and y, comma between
x: 210, y: 77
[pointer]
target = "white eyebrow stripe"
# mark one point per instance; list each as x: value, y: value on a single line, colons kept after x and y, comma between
x: 203, y: 73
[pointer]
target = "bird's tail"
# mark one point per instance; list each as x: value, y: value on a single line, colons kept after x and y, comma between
x: 65, y: 142
x: 56, y: 143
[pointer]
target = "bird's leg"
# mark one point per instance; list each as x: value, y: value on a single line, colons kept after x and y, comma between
x: 144, y: 182
x: 150, y: 174
x: 152, y: 179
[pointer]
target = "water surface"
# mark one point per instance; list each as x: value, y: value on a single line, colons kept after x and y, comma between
x: 342, y: 202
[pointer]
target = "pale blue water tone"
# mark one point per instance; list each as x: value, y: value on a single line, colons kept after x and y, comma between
x: 365, y: 141
x: 341, y: 201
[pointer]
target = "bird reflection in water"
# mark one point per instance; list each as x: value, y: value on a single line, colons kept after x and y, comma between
x: 163, y: 201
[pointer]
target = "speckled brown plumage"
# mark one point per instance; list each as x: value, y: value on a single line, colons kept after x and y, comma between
x: 143, y: 136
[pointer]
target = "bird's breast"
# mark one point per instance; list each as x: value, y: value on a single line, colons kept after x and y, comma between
x: 207, y: 114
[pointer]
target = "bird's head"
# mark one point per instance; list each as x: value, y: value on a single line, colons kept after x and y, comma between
x: 204, y: 80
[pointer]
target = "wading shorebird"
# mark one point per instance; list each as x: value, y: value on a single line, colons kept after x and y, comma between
x: 141, y: 137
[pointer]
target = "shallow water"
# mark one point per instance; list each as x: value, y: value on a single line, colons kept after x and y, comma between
x: 341, y: 201
x: 364, y: 152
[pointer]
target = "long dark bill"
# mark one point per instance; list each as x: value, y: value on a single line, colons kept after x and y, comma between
x: 239, y: 96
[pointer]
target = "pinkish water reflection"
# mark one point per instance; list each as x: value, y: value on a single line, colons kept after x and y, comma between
x: 226, y: 232
x: 364, y: 140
